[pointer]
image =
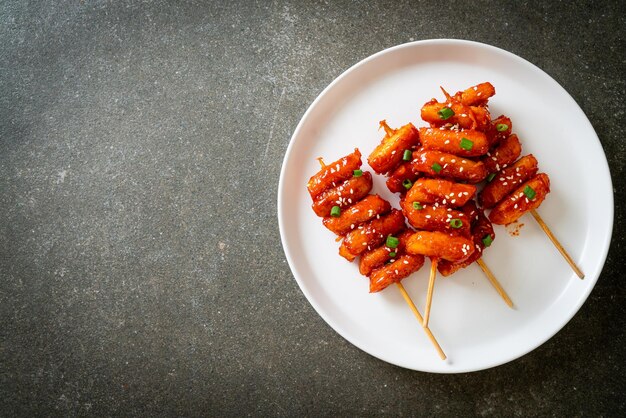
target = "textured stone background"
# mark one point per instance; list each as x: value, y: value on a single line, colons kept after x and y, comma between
x: 141, y: 270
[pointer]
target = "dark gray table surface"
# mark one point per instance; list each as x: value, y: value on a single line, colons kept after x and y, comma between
x: 141, y: 268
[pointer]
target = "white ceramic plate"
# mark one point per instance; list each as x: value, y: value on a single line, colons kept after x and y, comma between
x: 473, y: 325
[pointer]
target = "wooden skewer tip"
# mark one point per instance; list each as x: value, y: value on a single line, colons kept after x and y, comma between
x: 557, y: 244
x: 494, y: 282
x: 429, y: 334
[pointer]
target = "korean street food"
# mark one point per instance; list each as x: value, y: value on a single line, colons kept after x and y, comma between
x: 368, y: 224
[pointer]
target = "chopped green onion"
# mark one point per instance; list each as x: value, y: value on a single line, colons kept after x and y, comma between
x: 466, y: 144
x: 487, y: 240
x: 445, y: 113
x: 335, y: 211
x: 529, y: 192
x: 456, y: 223
x: 501, y: 127
x: 392, y: 242
x: 407, y: 184
x: 357, y: 173
x: 491, y: 177
x: 392, y: 254
x: 417, y: 205
x: 436, y: 167
x: 407, y: 155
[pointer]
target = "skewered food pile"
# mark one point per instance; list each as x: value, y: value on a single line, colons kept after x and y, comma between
x: 436, y: 180
x: 435, y: 170
x: 368, y: 226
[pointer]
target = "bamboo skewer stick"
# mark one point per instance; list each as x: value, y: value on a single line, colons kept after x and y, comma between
x: 557, y: 244
x: 494, y: 282
x: 431, y: 288
x: 409, y: 302
x: 429, y: 334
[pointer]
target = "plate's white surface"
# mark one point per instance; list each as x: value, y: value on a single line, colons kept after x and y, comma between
x: 473, y: 325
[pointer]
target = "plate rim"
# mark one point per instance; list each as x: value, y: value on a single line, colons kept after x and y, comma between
x: 573, y: 309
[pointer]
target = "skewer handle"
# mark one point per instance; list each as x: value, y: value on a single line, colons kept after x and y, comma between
x: 431, y: 288
x: 429, y: 334
x: 557, y: 244
x: 494, y: 282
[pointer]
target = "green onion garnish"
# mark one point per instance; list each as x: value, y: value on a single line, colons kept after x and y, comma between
x: 501, y: 127
x: 335, y: 211
x: 392, y: 242
x: 445, y: 113
x: 466, y: 144
x: 456, y: 223
x: 357, y: 173
x: 487, y: 240
x: 529, y: 192
x: 392, y: 254
x: 491, y: 177
x: 407, y: 155
x: 417, y: 205
x: 436, y: 167
x: 407, y: 183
